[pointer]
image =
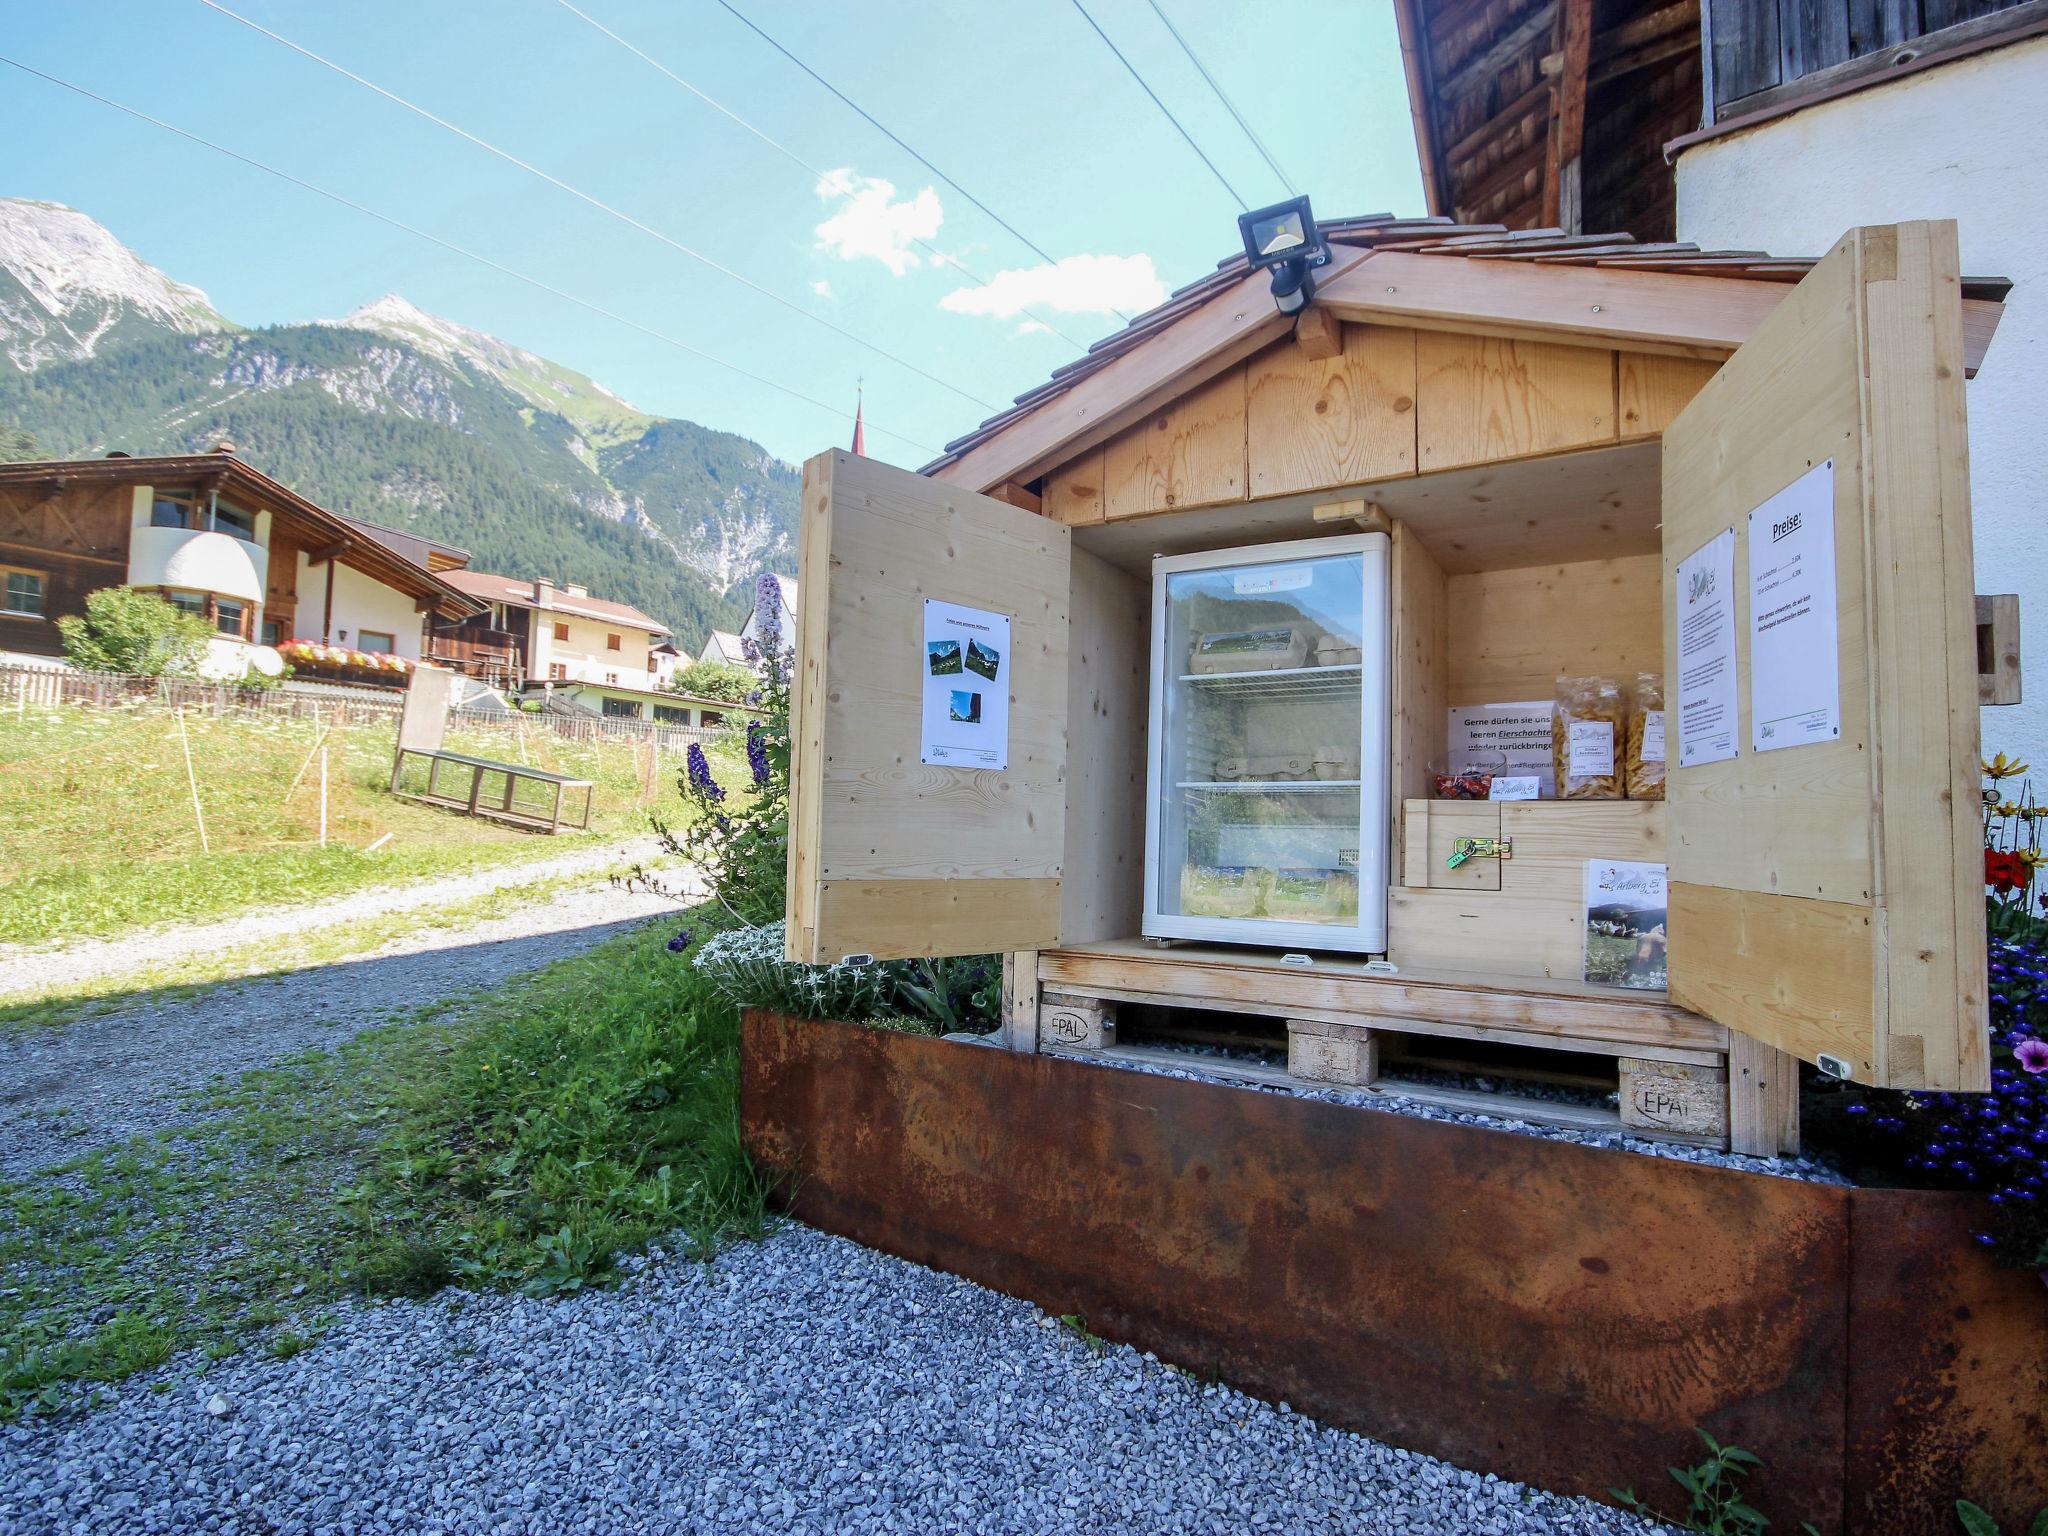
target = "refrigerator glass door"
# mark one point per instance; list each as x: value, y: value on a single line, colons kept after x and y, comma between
x: 1265, y: 757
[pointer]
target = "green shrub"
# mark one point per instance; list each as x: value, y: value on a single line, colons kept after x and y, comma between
x: 717, y: 680
x: 125, y: 629
x: 745, y: 967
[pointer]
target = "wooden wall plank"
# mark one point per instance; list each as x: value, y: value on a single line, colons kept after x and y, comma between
x: 1481, y: 399
x: 1073, y: 492
x: 1654, y: 389
x: 1108, y: 681
x: 1313, y: 423
x: 1923, y: 619
x: 1188, y: 454
x: 1514, y: 633
x: 1418, y: 671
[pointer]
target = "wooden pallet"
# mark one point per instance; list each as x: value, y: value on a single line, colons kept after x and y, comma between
x: 1669, y: 1070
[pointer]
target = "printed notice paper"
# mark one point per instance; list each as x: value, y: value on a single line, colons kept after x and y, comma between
x: 966, y: 687
x: 1795, y: 685
x: 1504, y: 738
x: 1705, y: 601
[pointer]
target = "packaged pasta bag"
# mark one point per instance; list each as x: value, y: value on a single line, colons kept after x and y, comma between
x: 1646, y: 738
x: 1586, y: 738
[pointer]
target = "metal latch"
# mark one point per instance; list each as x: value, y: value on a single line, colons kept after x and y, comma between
x: 1480, y: 848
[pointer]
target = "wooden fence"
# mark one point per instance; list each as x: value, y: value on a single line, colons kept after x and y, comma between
x: 30, y: 685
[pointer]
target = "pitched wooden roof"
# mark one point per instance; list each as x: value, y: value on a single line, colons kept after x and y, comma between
x: 221, y: 470
x: 1409, y: 271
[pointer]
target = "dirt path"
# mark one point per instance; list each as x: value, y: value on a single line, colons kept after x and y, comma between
x: 68, y: 1089
x: 25, y: 968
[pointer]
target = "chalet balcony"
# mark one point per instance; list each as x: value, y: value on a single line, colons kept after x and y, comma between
x: 488, y: 655
x: 198, y: 560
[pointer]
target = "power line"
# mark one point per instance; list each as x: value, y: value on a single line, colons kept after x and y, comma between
x: 1127, y: 64
x: 449, y: 245
x: 1037, y: 250
x: 1228, y: 105
x: 791, y: 155
x: 598, y: 203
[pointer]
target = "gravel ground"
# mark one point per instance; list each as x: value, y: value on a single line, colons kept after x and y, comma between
x: 801, y: 1384
x: 26, y: 967
x: 68, y: 1089
x: 1211, y: 1064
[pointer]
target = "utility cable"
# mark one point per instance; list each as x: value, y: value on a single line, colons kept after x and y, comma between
x: 449, y: 245
x: 598, y: 203
x: 1033, y: 246
x: 1228, y: 105
x: 792, y: 156
x: 1127, y: 64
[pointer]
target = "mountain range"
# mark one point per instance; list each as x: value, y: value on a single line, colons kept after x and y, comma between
x: 389, y: 414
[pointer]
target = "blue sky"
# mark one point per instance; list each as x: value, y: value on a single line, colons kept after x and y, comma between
x: 1016, y: 99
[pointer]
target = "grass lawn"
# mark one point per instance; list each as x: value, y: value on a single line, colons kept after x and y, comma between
x: 97, y: 816
x: 520, y: 1139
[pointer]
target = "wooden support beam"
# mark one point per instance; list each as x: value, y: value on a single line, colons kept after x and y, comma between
x: 1561, y: 171
x: 1482, y: 69
x: 331, y: 552
x: 1017, y: 496
x: 1509, y: 174
x: 1370, y: 516
x: 1319, y: 334
x: 1537, y: 95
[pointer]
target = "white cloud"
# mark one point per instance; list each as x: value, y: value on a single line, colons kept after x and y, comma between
x: 822, y: 288
x: 1032, y: 328
x: 869, y: 221
x: 1076, y: 285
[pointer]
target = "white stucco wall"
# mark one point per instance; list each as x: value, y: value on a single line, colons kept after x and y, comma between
x: 1960, y: 141
x: 585, y: 655
x: 360, y: 602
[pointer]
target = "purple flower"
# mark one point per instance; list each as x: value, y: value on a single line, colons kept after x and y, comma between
x: 757, y: 753
x: 700, y: 773
x: 679, y: 943
x: 2032, y: 1055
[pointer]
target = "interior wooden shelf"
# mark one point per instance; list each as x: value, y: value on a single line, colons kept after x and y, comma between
x: 1272, y: 786
x: 1337, y: 682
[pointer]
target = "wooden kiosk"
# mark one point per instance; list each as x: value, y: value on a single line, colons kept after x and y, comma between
x: 1545, y: 426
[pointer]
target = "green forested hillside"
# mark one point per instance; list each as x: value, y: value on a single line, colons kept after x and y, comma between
x: 673, y: 522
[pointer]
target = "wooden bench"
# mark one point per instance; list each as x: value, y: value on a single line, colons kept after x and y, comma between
x: 501, y: 807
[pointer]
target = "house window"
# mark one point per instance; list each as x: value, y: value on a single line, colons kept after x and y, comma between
x: 672, y: 714
x: 376, y: 640
x: 557, y: 672
x: 273, y: 632
x: 561, y: 631
x: 612, y: 678
x: 611, y: 642
x: 622, y: 709
x: 710, y: 717
x: 187, y: 602
x: 233, y: 520
x: 175, y: 509
x: 24, y: 591
x: 230, y: 617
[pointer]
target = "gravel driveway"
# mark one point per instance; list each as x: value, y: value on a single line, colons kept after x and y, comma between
x: 801, y: 1384
x: 68, y: 1089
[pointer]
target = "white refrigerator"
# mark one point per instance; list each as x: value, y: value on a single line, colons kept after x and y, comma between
x: 1267, y: 820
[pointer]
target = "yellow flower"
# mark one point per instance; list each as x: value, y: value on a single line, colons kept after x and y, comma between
x: 2003, y: 767
x: 2006, y: 808
x: 2033, y: 858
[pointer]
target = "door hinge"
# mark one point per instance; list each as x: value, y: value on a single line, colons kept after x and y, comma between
x: 1480, y: 848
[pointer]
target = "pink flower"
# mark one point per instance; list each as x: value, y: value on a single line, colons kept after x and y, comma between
x: 2033, y: 1055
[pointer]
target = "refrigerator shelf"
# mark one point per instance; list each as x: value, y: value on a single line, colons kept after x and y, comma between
x: 1270, y: 786
x: 1339, y: 682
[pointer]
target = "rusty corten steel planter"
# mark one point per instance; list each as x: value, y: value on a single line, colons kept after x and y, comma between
x: 1559, y: 1314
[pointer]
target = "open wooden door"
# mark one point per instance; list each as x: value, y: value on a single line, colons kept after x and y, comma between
x: 891, y: 855
x: 1827, y: 896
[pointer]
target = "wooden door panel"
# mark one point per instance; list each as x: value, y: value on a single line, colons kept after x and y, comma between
x: 890, y: 856
x: 1828, y: 898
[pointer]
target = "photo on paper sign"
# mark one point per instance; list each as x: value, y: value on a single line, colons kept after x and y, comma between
x: 982, y: 659
x: 965, y: 707
x: 1626, y: 914
x: 943, y: 656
